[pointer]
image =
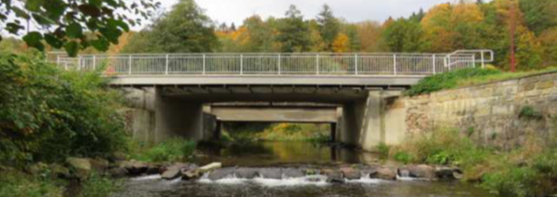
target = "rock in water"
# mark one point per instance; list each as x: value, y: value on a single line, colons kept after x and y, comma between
x: 246, y: 173
x: 271, y: 173
x: 385, y: 174
x: 351, y: 173
x: 81, y: 167
x: 293, y: 173
x: 171, y: 173
x: 422, y: 171
x: 118, y: 172
x: 210, y: 167
x: 221, y: 174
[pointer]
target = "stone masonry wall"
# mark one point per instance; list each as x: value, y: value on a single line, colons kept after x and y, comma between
x: 490, y: 113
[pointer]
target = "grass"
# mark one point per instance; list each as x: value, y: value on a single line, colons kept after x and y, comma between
x: 172, y: 150
x: 468, y: 77
x: 530, y: 171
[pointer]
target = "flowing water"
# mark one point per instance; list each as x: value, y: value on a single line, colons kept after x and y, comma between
x: 280, y: 154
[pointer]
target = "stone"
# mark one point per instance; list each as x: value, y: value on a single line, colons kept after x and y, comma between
x: 118, y: 156
x: 221, y: 174
x: 271, y: 173
x: 385, y: 174
x: 293, y: 173
x: 137, y: 168
x: 545, y: 85
x: 189, y: 174
x: 81, y: 167
x: 446, y: 172
x: 246, y: 173
x: 99, y: 164
x: 59, y: 170
x: 154, y: 169
x: 351, y: 173
x: 422, y: 171
x: 210, y: 167
x: 333, y: 176
x: 118, y: 172
x: 171, y: 173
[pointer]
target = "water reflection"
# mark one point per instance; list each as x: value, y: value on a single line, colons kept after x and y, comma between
x: 280, y: 153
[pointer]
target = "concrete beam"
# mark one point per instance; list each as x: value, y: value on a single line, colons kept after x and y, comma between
x: 275, y: 114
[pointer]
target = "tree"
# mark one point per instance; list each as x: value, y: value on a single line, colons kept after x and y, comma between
x: 548, y: 39
x: 185, y: 29
x: 329, y: 26
x: 341, y: 43
x: 539, y: 15
x: 63, y: 23
x: 293, y: 32
x: 370, y: 36
x: 403, y: 35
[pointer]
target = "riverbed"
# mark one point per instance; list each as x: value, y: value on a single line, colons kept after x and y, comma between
x: 281, y: 154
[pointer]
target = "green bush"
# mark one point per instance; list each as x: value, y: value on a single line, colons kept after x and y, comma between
x: 514, y: 182
x: 169, y: 151
x: 18, y: 184
x: 448, y: 80
x: 98, y: 186
x: 47, y: 114
x: 383, y: 150
x: 403, y: 157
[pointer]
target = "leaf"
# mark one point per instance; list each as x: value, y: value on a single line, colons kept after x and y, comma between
x: 97, y: 3
x: 33, y: 39
x: 13, y: 28
x: 43, y: 20
x: 53, y: 41
x: 20, y: 13
x: 72, y: 48
x: 34, y: 5
x: 100, y: 44
x: 74, y: 30
x: 119, y: 23
x: 90, y: 10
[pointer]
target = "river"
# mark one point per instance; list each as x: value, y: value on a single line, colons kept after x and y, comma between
x: 281, y: 154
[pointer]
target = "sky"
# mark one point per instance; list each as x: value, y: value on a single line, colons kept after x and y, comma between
x: 351, y: 10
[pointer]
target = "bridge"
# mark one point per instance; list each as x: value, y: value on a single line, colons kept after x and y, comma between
x: 182, y: 94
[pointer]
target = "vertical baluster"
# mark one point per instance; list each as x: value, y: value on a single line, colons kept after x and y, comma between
x: 241, y: 64
x: 279, y: 61
x: 130, y: 64
x: 317, y: 64
x: 394, y: 65
x: 434, y: 64
x: 204, y: 64
x: 356, y: 64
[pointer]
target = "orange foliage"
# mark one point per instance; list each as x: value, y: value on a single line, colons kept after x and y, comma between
x: 341, y: 43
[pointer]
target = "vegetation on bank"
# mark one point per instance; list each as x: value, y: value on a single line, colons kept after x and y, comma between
x: 530, y: 171
x: 48, y: 115
x: 277, y: 132
x: 467, y: 77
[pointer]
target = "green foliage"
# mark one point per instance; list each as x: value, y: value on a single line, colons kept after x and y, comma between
x: 404, y: 35
x: 293, y: 32
x: 98, y: 186
x: 539, y: 15
x: 528, y: 112
x: 403, y: 157
x: 172, y: 150
x: 448, y: 80
x: 329, y: 27
x: 47, y: 114
x: 67, y: 20
x: 185, y: 29
x: 383, y: 150
x: 19, y: 184
x: 518, y: 182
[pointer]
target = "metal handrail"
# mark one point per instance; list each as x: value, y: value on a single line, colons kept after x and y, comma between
x: 349, y: 64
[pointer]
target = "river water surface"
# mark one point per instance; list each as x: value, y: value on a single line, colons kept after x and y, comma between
x: 278, y: 154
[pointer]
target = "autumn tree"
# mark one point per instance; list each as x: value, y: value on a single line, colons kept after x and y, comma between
x: 403, y: 35
x: 293, y: 32
x: 341, y: 43
x: 329, y: 26
x: 184, y: 29
x: 539, y: 15
x: 370, y: 39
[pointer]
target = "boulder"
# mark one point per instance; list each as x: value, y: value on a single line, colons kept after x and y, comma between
x: 99, y: 164
x: 81, y: 167
x: 189, y: 174
x: 403, y: 172
x: 154, y: 169
x: 221, y: 173
x: 137, y: 168
x: 333, y: 176
x: 118, y: 172
x: 350, y: 173
x: 422, y: 171
x: 271, y: 173
x: 293, y: 173
x: 210, y: 167
x: 446, y: 172
x: 59, y: 170
x: 385, y: 174
x: 247, y: 173
x: 171, y: 173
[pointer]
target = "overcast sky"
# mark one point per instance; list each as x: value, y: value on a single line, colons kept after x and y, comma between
x: 352, y: 10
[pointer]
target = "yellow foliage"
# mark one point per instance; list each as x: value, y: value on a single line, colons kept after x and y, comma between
x: 341, y: 43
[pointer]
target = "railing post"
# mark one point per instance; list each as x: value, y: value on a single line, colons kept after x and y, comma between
x: 394, y: 65
x: 317, y: 64
x: 241, y: 64
x: 130, y: 65
x: 434, y: 64
x: 79, y: 63
x: 204, y: 64
x: 94, y: 62
x: 279, y: 70
x: 166, y: 65
x: 356, y: 64
x: 483, y: 60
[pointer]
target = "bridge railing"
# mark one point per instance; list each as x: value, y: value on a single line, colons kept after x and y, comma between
x: 278, y: 64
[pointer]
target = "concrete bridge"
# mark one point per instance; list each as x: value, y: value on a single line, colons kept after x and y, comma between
x: 183, y: 94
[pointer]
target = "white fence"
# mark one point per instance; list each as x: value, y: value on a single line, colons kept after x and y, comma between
x: 278, y: 64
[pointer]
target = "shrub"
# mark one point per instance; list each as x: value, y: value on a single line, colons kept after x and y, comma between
x: 447, y: 80
x: 514, y: 182
x: 169, y: 151
x: 18, y: 184
x: 403, y: 157
x: 98, y: 186
x: 47, y: 114
x: 383, y: 150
